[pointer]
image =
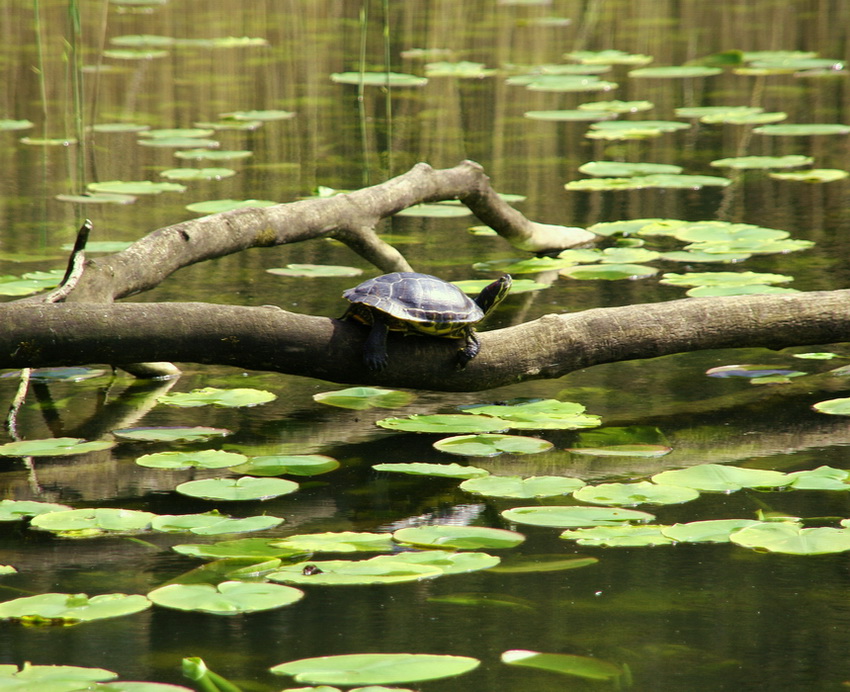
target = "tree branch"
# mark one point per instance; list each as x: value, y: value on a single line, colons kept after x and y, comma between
x: 267, y: 338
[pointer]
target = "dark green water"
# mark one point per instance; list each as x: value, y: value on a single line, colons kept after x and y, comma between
x: 687, y: 617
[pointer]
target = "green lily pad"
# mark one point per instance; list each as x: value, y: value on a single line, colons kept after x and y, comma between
x: 617, y: 169
x: 384, y: 569
x: 69, y: 609
x: 93, y: 521
x: 217, y: 206
x: 198, y: 173
x: 168, y: 133
x: 565, y: 83
x: 609, y: 272
x: 675, y: 72
x: 418, y: 468
x: 721, y: 478
x: 745, y: 118
x: 212, y: 154
x: 617, y: 106
x: 51, y: 678
x: 287, y: 464
x: 7, y: 124
x: 449, y: 561
x: 562, y: 517
x: 381, y: 79
x: 542, y: 563
x: 781, y: 537
x: 29, y: 283
x: 235, y: 489
x: 608, y: 56
x: 801, y: 129
x: 134, y: 54
x: 226, y: 598
x: 119, y: 127
x: 534, y: 265
x: 375, y: 668
x: 628, y: 255
x: 723, y: 279
x: 583, y: 115
x: 821, y: 478
x: 712, y: 111
x: 519, y: 487
x: 745, y: 162
x: 642, y: 492
x: 546, y: 414
x: 197, y: 433
x: 624, y: 536
x: 179, y: 143
x: 702, y: 257
x: 201, y: 459
x: 492, y: 445
x: 97, y: 198
x: 138, y: 187
x: 456, y: 537
x: 833, y: 407
x: 338, y: 542
x: 813, y: 175
x: 213, y: 396
x: 361, y: 398
x: 566, y: 664
x: 142, y: 40
x: 259, y: 115
x: 253, y: 548
x: 463, y: 69
x: 53, y: 447
x: 315, y: 270
x: 444, y: 423
x: 212, y: 523
x: 475, y: 286
x: 14, y: 510
x: 711, y: 531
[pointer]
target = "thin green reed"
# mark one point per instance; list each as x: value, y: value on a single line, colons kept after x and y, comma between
x: 388, y: 101
x: 361, y: 89
x: 75, y: 68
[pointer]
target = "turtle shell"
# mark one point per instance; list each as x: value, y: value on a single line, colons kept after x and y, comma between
x: 417, y: 302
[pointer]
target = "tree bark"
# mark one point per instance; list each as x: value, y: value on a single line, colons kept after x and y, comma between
x: 268, y: 338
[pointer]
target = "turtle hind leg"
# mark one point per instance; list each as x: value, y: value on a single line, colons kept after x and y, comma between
x: 375, y: 348
x: 469, y: 351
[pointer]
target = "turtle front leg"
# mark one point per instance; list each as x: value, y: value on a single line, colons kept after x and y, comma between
x: 471, y: 348
x: 375, y: 348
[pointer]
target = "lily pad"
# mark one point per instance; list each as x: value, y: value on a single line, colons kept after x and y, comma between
x: 609, y: 272
x: 287, y: 465
x: 711, y: 531
x: 583, y: 115
x: 782, y: 537
x: 226, y: 598
x: 94, y: 521
x: 212, y: 154
x: 15, y: 510
x: 565, y: 83
x: 198, y: 173
x: 202, y: 459
x: 723, y: 279
x: 566, y: 664
x: 833, y: 407
x: 259, y: 115
x: 519, y: 487
x: 138, y: 187
x: 617, y: 106
x: 444, y: 423
x: 642, y: 492
x: 179, y: 143
x: 381, y: 79
x: 542, y: 563
x: 7, y: 124
x: 802, y: 130
x: 69, y: 609
x: 213, y: 396
x: 51, y: 678
x: 745, y: 162
x: 384, y: 569
x: 198, y: 433
x: 361, y: 398
x: 235, y: 489
x: 721, y: 478
x: 813, y: 175
x: 821, y: 478
x: 253, y: 548
x: 375, y: 668
x: 618, y: 536
x: 463, y: 69
x: 492, y: 445
x: 53, y: 447
x: 455, y: 537
x: 562, y: 517
x: 418, y: 468
x: 608, y: 56
x: 29, y: 283
x: 212, y: 523
x: 675, y: 72
x: 545, y: 414
x: 449, y: 561
x: 626, y: 450
x: 315, y: 270
x: 618, y: 169
x: 97, y: 198
x: 338, y: 542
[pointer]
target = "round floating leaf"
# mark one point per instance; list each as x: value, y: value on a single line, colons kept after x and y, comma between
x: 456, y: 537
x: 618, y: 536
x: 9, y: 125
x: 201, y: 459
x: 445, y: 211
x: 119, y: 127
x: 543, y: 563
x: 442, y: 470
x: 28, y: 284
x: 253, y: 548
x: 702, y: 257
x: 384, y: 569
x: 463, y: 69
x: 212, y: 155
x: 565, y: 664
x: 361, y: 398
x: 583, y: 115
x: 381, y: 79
x: 168, y: 133
x: 636, y: 450
x: 563, y: 83
x: 723, y: 279
x: 198, y: 433
x: 283, y: 464
x: 642, y: 492
x: 492, y: 445
x: 375, y: 669
x: 259, y: 115
x: 675, y: 72
x: 220, y: 205
x: 563, y: 517
x: 143, y: 40
x: 744, y: 119
x: 234, y: 489
x: 814, y: 175
x: 226, y: 598
x: 212, y: 523
x: 139, y: 187
x: 52, y: 447
x: 834, y: 407
x: 711, y: 531
x: 14, y: 510
x: 546, y: 414
x: 800, y: 129
x: 97, y: 198
x: 315, y: 270
x: 617, y: 106
x: 93, y: 521
x: 450, y: 562
x: 618, y: 169
x: 660, y: 125
x: 48, y: 141
x: 338, y: 542
x: 608, y: 57
x: 781, y: 537
x: 720, y: 478
x: 444, y: 423
x: 133, y: 54
x: 626, y: 255
x: 518, y: 487
x: 707, y: 291
x: 712, y: 111
x: 198, y: 173
x: 821, y: 478
x: 179, y: 143
x: 609, y: 272
x: 684, y: 182
x: 745, y: 162
x: 71, y: 608
x: 52, y: 678
x: 213, y: 396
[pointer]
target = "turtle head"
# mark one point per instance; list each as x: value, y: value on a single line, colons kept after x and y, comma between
x: 494, y: 293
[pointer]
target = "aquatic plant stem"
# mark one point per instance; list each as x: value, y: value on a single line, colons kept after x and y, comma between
x: 361, y: 90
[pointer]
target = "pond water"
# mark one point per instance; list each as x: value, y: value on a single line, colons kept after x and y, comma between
x: 671, y: 617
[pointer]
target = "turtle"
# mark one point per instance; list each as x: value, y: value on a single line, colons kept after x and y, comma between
x: 415, y: 303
